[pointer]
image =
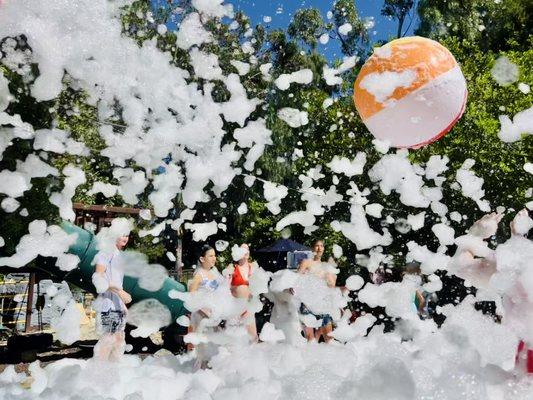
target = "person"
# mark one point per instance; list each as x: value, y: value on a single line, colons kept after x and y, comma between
x: 481, y: 266
x: 314, y: 266
x: 412, y: 274
x: 285, y: 314
x: 378, y: 276
x: 110, y: 304
x: 239, y: 275
x: 206, y: 279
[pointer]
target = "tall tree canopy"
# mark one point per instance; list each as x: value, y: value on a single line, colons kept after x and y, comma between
x: 399, y: 10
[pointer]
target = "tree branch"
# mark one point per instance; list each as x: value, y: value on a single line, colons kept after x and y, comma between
x: 411, y: 17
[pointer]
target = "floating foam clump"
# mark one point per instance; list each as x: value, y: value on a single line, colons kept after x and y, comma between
x: 410, y: 92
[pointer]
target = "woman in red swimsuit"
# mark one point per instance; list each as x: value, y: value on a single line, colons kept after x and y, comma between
x: 242, y: 271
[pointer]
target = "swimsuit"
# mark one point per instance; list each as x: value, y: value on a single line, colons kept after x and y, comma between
x: 237, y: 279
x: 208, y: 284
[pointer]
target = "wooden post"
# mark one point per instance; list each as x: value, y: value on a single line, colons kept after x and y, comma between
x: 179, y: 255
x: 2, y: 312
x: 29, y: 302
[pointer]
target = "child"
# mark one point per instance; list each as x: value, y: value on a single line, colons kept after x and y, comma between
x: 110, y: 304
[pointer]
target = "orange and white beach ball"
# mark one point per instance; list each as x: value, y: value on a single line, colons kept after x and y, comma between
x: 410, y: 92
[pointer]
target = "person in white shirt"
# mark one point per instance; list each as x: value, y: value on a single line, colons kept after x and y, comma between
x: 110, y: 305
x: 315, y: 267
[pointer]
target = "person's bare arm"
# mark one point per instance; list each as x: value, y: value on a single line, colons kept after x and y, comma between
x: 100, y: 269
x: 520, y: 223
x: 195, y: 283
x: 486, y: 226
x: 228, y: 272
x: 331, y: 279
x: 421, y: 300
x: 125, y: 296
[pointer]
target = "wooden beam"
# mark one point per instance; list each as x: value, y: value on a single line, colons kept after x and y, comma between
x: 29, y: 302
x: 106, y: 209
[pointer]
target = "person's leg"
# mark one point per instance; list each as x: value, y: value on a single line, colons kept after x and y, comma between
x: 190, y: 346
x: 117, y: 327
x: 318, y: 334
x: 252, y: 329
x: 104, y: 346
x: 119, y: 346
x: 326, y: 330
x: 246, y: 318
x: 309, y: 333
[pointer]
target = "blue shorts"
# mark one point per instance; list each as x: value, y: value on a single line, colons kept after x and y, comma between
x: 111, y: 321
x: 326, y: 318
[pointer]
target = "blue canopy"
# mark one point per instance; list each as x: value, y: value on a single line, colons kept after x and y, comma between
x: 284, y: 245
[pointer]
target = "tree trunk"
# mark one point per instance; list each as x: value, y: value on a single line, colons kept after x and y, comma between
x: 400, y: 26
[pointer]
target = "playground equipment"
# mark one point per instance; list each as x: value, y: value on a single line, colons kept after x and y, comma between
x: 85, y: 248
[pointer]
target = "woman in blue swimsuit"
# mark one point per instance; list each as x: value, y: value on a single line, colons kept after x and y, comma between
x: 206, y: 279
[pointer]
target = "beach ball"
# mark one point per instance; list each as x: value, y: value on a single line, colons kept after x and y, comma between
x: 410, y: 92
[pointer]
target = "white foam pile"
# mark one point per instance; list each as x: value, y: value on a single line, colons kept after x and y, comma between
x: 345, y: 29
x: 293, y: 117
x: 166, y: 111
x: 304, y: 76
x: 348, y: 167
x: 520, y: 126
x: 472, y: 185
x: 331, y: 75
x: 152, y: 105
x: 383, y: 84
x: 149, y: 316
x: 468, y: 357
x: 504, y: 71
x: 48, y: 241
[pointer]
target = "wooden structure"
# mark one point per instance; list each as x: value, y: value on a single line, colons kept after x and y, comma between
x: 99, y: 215
x: 94, y: 218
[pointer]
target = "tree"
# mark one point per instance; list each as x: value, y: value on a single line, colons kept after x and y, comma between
x: 487, y: 23
x: 333, y: 130
x: 399, y: 10
x: 307, y: 26
x: 356, y: 41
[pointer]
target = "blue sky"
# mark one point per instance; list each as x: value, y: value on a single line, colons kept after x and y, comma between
x: 281, y: 13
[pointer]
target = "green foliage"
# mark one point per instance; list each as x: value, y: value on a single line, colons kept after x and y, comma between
x: 336, y: 130
x: 356, y: 42
x: 486, y: 23
x: 307, y: 25
x: 13, y: 225
x: 154, y: 251
x: 475, y: 136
